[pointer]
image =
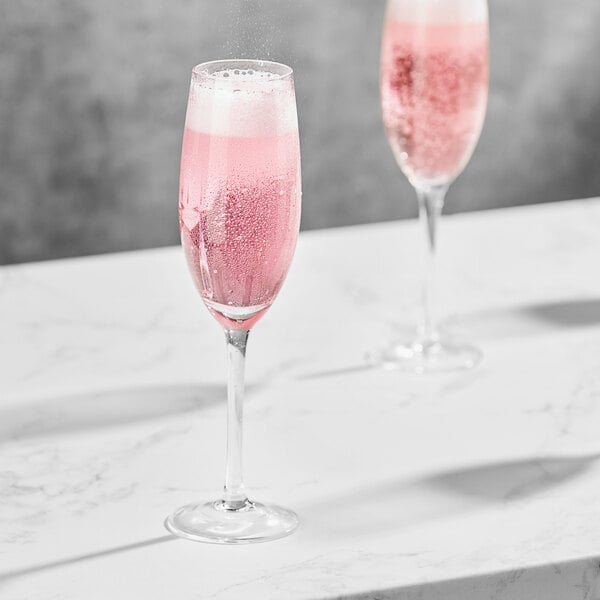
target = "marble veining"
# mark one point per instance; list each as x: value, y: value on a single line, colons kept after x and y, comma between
x: 469, y: 486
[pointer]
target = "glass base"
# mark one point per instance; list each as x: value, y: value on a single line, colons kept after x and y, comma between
x: 428, y: 357
x: 214, y: 523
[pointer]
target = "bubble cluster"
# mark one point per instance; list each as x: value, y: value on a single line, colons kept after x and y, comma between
x: 433, y: 98
x: 245, y: 74
x: 247, y: 239
x: 239, y: 215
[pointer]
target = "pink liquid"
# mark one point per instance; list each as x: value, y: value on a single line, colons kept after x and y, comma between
x: 239, y: 215
x: 434, y: 81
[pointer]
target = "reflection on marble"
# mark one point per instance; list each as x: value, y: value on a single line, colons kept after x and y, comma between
x: 466, y: 486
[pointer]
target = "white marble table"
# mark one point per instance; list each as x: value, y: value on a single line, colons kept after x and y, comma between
x: 478, y: 485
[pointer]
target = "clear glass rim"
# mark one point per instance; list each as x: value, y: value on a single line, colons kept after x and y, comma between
x: 207, y: 70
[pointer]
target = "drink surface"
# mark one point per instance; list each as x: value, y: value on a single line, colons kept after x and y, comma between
x: 434, y: 81
x: 240, y: 193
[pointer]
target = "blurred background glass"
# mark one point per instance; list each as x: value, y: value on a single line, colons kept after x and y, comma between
x: 92, y: 102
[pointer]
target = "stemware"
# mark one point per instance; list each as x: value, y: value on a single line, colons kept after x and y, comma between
x: 434, y: 85
x: 239, y: 214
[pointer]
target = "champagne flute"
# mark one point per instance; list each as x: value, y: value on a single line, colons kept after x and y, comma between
x: 239, y: 214
x: 434, y: 84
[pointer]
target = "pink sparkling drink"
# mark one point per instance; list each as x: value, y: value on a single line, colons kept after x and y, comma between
x: 434, y: 81
x: 239, y: 214
x: 240, y: 190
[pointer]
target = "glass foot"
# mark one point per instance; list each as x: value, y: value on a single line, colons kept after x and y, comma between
x: 212, y: 522
x: 427, y: 357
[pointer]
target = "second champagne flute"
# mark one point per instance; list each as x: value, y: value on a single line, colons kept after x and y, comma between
x: 434, y: 82
x: 239, y: 213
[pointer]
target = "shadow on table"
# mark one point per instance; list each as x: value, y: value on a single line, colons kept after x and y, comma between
x: 504, y: 482
x: 96, y: 410
x: 527, y: 320
x: 403, y: 504
x: 570, y: 579
x: 490, y: 324
x: 575, y: 313
x: 9, y: 575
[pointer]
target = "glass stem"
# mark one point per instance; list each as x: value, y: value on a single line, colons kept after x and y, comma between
x: 234, y: 495
x: 431, y: 202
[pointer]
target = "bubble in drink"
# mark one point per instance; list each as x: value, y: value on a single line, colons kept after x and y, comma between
x: 240, y: 193
x: 434, y: 81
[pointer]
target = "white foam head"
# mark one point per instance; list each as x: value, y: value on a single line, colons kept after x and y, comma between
x: 438, y: 11
x: 241, y: 102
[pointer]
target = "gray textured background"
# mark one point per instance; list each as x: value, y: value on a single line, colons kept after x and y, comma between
x: 92, y: 101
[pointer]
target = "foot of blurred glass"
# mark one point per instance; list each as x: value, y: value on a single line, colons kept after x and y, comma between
x: 212, y: 522
x: 434, y: 356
